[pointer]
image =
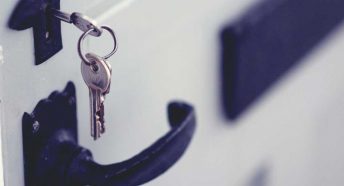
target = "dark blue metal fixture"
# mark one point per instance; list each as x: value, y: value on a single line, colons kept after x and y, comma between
x: 266, y: 42
x: 46, y: 28
x: 52, y: 156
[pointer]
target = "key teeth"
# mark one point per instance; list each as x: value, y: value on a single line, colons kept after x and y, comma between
x: 101, y: 116
x: 102, y: 128
x: 99, y: 128
x: 100, y: 120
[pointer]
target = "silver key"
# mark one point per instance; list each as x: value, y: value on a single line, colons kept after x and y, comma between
x: 81, y: 21
x: 97, y: 78
x: 101, y: 112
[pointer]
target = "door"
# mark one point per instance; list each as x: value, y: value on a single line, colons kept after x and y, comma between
x: 170, y: 50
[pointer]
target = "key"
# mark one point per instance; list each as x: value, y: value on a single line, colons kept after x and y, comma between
x: 81, y: 21
x: 97, y: 77
x: 101, y: 112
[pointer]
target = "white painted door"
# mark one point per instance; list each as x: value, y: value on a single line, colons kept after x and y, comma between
x: 170, y: 50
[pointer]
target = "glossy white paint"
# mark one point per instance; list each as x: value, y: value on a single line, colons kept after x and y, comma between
x: 170, y: 50
x: 1, y: 116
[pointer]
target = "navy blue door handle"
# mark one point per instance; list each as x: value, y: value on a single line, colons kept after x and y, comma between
x: 267, y: 41
x: 53, y: 157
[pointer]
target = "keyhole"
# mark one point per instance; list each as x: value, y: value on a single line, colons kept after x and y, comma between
x: 48, y: 24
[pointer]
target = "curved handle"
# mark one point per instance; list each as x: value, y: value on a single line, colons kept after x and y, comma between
x: 146, y: 165
x: 53, y: 157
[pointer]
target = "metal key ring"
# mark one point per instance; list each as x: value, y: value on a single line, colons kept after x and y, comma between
x: 82, y: 38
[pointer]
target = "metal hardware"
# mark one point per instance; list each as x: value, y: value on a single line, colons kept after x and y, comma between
x: 83, y: 36
x: 266, y: 42
x: 52, y: 155
x: 81, y: 21
x: 45, y: 18
x: 96, y: 72
x: 98, y: 82
x: 46, y: 30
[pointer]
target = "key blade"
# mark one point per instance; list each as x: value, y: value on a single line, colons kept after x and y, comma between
x: 60, y: 15
x: 94, y: 105
x: 101, y: 116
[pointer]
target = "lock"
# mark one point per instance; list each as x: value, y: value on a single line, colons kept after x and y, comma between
x: 46, y: 29
x: 45, y: 18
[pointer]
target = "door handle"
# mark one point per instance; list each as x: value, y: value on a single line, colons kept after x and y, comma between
x: 52, y: 155
x: 266, y: 42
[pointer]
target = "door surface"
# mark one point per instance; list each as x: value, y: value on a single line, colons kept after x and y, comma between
x: 170, y: 50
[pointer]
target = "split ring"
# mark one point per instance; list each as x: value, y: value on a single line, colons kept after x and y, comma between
x: 88, y: 32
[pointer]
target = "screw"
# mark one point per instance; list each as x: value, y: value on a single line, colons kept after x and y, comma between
x: 35, y: 127
x: 71, y: 100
